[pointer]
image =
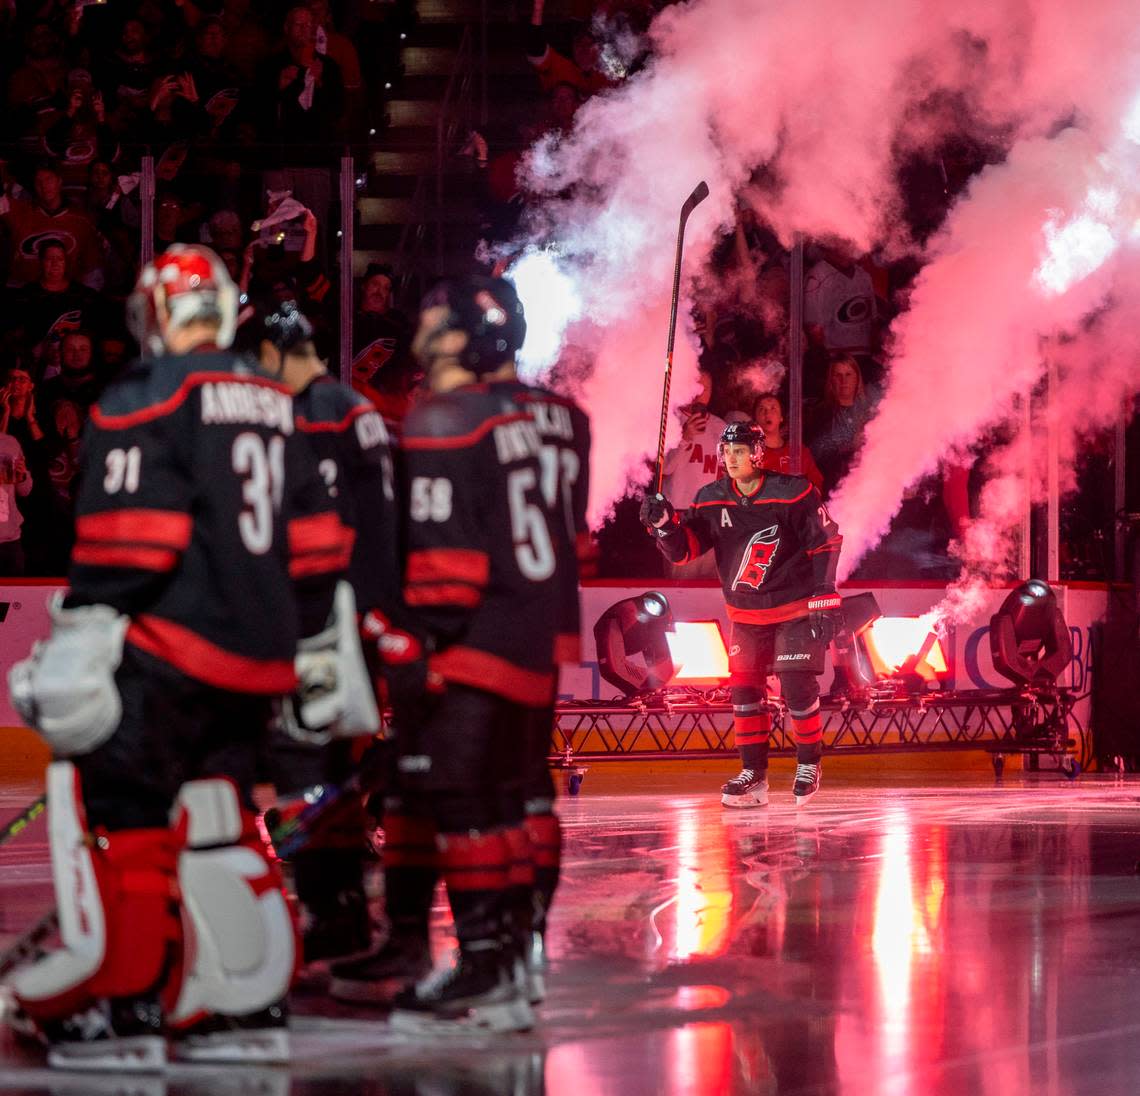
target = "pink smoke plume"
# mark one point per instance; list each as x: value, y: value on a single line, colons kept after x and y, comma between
x: 825, y: 98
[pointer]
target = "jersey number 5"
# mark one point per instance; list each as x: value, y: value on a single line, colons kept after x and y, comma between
x: 261, y: 465
x: 529, y: 531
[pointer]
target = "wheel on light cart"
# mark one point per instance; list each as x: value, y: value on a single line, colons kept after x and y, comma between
x: 1071, y: 767
x: 999, y: 765
x: 574, y: 783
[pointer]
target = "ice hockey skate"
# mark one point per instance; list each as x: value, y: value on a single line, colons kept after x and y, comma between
x: 806, y: 782
x: 747, y: 789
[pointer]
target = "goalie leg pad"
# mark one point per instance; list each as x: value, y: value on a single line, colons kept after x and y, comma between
x: 240, y: 930
x: 117, y: 910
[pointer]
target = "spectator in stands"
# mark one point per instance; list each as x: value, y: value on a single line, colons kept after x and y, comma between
x: 247, y: 44
x: 692, y: 464
x: 52, y: 305
x: 15, y: 480
x: 836, y: 423
x: 62, y: 452
x: 843, y: 306
x: 331, y: 43
x: 40, y: 78
x: 382, y: 366
x: 80, y: 134
x: 29, y: 221
x: 77, y: 381
x: 582, y: 71
x: 218, y: 83
x: 302, y: 93
x: 127, y: 78
x: 768, y: 413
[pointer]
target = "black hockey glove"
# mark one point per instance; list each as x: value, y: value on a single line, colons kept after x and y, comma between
x: 656, y: 511
x: 824, y: 617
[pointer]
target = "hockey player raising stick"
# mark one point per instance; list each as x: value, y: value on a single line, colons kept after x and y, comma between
x: 776, y: 551
x: 198, y: 522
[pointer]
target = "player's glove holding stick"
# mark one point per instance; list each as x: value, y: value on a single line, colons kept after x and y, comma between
x: 656, y: 512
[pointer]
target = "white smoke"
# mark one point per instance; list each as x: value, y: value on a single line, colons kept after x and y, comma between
x: 827, y: 97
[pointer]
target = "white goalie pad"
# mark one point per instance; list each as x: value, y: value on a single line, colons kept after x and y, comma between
x: 239, y: 931
x: 66, y: 689
x: 82, y: 925
x: 336, y: 698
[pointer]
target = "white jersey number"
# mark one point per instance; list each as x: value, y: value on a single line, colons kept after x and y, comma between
x: 124, y: 467
x: 533, y: 549
x: 262, y: 467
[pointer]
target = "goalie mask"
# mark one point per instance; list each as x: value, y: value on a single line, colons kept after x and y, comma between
x: 186, y: 284
x: 742, y: 433
x: 489, y: 311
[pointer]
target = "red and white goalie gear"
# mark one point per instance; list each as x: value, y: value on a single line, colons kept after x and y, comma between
x: 118, y: 914
x: 186, y: 284
x: 336, y: 696
x: 241, y: 939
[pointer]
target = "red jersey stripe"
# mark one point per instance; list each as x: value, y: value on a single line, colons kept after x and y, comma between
x: 449, y: 564
x: 132, y: 556
x: 169, y: 528
x: 483, y: 670
x: 307, y: 427
x: 443, y: 594
x: 776, y: 615
x: 319, y: 533
x: 176, y: 399
x: 319, y: 563
x: 204, y: 661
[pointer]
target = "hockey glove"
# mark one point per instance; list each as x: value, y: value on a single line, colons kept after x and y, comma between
x: 66, y: 689
x: 403, y: 660
x: 824, y: 616
x: 334, y: 692
x: 656, y: 511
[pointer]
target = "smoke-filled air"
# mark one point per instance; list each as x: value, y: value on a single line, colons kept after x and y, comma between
x: 1036, y: 261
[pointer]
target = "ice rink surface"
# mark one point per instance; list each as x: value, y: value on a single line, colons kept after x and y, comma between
x: 931, y: 934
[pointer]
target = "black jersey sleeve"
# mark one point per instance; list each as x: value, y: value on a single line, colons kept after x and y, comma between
x: 448, y: 555
x: 820, y: 539
x: 320, y: 545
x: 133, y: 509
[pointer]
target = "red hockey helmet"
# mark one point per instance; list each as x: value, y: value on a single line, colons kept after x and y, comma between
x: 186, y: 284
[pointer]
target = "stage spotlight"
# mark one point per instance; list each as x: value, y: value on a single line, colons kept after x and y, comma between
x: 699, y: 653
x: 873, y: 648
x: 632, y: 643
x: 1029, y: 639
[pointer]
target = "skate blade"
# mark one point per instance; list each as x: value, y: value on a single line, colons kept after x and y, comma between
x: 803, y: 800
x: 535, y: 987
x: 498, y: 1019
x: 136, y: 1054
x: 235, y: 1047
x: 739, y: 802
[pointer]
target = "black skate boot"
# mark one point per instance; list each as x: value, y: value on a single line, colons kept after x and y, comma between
x: 479, y: 993
x: 749, y: 788
x: 807, y: 781
x: 120, y: 1035
x: 257, y: 1037
x: 376, y: 977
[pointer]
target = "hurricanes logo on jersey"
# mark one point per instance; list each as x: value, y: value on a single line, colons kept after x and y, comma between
x: 757, y: 558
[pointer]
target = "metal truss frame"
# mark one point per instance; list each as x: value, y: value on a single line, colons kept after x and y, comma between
x: 688, y: 724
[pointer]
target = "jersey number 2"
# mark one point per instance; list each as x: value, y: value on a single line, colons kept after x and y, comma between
x: 262, y: 467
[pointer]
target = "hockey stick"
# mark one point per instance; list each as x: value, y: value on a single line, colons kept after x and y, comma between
x: 27, y: 947
x: 700, y: 193
x: 16, y: 826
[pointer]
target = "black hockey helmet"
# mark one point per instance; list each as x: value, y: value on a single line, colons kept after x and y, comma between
x: 284, y: 325
x: 491, y: 314
x: 742, y: 433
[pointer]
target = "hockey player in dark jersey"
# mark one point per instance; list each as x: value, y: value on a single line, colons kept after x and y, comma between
x: 206, y: 547
x: 481, y: 578
x: 776, y: 550
x: 350, y: 446
x: 565, y: 455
